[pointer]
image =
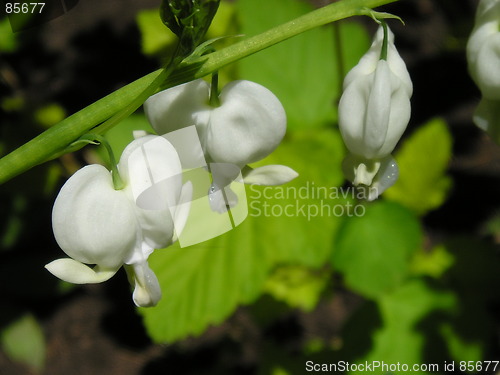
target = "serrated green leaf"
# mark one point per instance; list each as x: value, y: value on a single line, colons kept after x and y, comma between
x: 373, y: 251
x: 423, y: 158
x: 303, y: 71
x: 203, y: 284
x: 399, y: 339
x: 23, y: 341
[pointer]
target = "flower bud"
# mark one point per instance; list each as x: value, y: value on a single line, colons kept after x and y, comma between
x: 374, y: 109
x: 483, y: 49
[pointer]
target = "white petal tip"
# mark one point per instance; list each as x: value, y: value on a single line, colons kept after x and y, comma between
x: 270, y: 175
x: 72, y: 271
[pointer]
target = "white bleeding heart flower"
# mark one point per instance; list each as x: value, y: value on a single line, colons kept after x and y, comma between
x: 95, y: 224
x: 483, y: 49
x: 374, y: 111
x: 483, y: 57
x: 247, y: 126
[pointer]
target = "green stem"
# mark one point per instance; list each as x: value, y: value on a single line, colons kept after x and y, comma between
x: 118, y: 183
x: 383, y: 52
x: 54, y: 141
x: 214, y: 90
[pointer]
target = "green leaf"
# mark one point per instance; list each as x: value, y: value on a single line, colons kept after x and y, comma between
x: 402, y: 338
x: 23, y: 341
x: 203, y: 284
x: 373, y: 251
x: 303, y: 71
x: 120, y: 136
x: 423, y: 159
x: 154, y: 38
x: 8, y: 40
x: 297, y: 286
x: 433, y: 262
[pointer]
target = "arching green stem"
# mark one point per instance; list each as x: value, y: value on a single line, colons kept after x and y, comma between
x: 119, y: 104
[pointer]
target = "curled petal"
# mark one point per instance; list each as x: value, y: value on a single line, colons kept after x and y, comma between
x: 75, y: 272
x: 270, y: 175
x: 371, y: 176
x: 147, y: 291
x: 360, y: 171
x: 92, y: 222
x: 385, y: 178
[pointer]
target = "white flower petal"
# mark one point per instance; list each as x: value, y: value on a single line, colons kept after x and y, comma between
x: 92, y: 222
x: 270, y: 175
x: 247, y: 126
x: 75, y: 272
x: 378, y: 107
x: 179, y: 106
x: 182, y: 209
x: 151, y: 169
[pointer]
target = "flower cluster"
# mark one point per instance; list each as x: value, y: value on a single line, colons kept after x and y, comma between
x: 483, y: 56
x: 95, y: 222
x: 374, y: 111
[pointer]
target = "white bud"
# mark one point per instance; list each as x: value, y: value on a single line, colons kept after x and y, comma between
x: 483, y: 49
x: 374, y: 109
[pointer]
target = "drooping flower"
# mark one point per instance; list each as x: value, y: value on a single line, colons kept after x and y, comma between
x: 248, y: 125
x: 374, y: 111
x: 95, y: 224
x: 483, y: 49
x: 483, y: 57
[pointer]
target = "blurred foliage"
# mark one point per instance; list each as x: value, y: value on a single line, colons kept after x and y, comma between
x: 423, y: 159
x: 373, y: 251
x: 23, y: 341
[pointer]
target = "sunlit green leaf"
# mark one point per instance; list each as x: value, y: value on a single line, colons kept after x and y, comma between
x: 303, y: 71
x: 373, y: 251
x: 120, y: 136
x: 433, y: 262
x: 154, y: 37
x: 297, y: 286
x: 203, y: 284
x: 400, y: 339
x: 23, y: 341
x: 423, y: 159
